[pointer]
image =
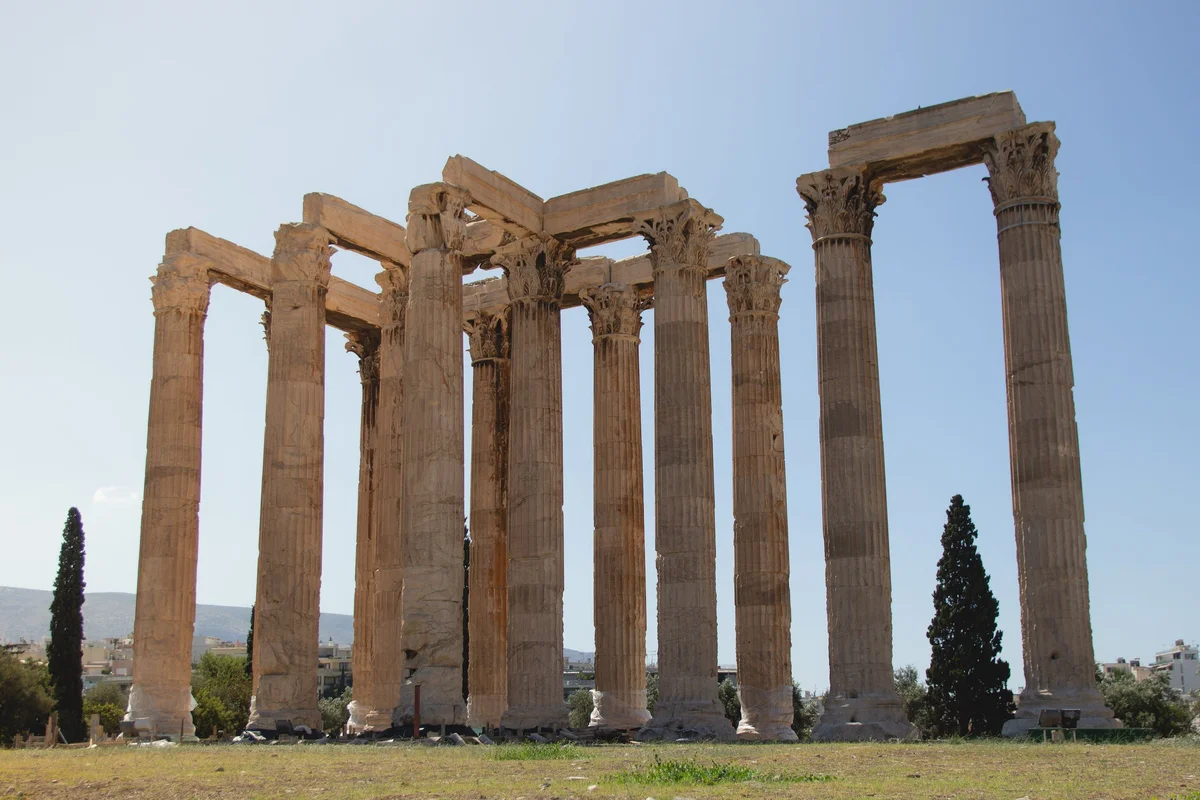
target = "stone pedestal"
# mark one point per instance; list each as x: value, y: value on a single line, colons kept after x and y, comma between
x: 535, y: 267
x: 289, y: 546
x: 685, y: 518
x: 1043, y: 440
x: 166, y: 594
x: 488, y: 589
x: 762, y: 597
x: 620, y: 555
x: 376, y: 697
x: 863, y: 703
x: 366, y: 347
x: 433, y: 512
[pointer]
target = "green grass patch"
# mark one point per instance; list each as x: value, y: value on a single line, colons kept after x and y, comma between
x: 693, y: 772
x: 535, y: 751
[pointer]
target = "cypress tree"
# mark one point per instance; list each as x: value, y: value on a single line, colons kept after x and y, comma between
x: 65, y: 654
x: 967, y: 680
x: 250, y: 645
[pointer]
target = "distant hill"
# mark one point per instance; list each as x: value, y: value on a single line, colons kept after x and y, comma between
x: 25, y: 614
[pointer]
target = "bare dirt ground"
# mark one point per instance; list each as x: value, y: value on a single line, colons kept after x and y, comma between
x: 919, y: 770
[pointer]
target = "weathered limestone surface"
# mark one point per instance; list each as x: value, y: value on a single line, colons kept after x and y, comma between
x: 366, y: 347
x: 762, y: 597
x: 356, y: 229
x: 619, y: 563
x: 685, y: 521
x: 488, y: 577
x: 863, y: 703
x: 433, y: 504
x: 375, y: 701
x: 166, y: 596
x: 289, y: 547
x: 534, y: 267
x: 1043, y: 439
x: 928, y: 140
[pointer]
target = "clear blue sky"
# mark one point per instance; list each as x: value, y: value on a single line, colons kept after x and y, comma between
x: 123, y: 122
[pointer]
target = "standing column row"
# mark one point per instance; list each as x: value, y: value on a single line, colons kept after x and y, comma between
x: 488, y: 576
x: 1043, y: 439
x: 619, y: 562
x: 862, y: 703
x: 166, y: 591
x: 433, y: 499
x: 684, y: 511
x: 762, y: 597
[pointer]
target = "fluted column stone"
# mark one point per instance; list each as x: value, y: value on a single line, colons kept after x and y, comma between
x: 433, y: 501
x: 166, y: 593
x: 1043, y: 439
x: 366, y: 347
x: 862, y: 703
x: 619, y: 599
x: 762, y: 596
x: 685, y: 517
x: 488, y: 578
x: 535, y: 267
x: 287, y: 606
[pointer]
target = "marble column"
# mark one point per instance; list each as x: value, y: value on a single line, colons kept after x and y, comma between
x: 365, y: 345
x: 619, y: 600
x: 1043, y: 440
x: 862, y: 703
x: 375, y: 700
x: 488, y: 577
x: 535, y: 267
x: 166, y: 593
x: 287, y: 607
x: 685, y: 517
x: 762, y: 597
x: 433, y: 502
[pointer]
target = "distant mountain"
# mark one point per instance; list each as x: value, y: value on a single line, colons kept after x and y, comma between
x: 25, y: 614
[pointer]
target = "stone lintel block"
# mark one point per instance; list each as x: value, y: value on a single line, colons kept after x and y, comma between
x: 607, y: 212
x: 356, y: 229
x: 927, y: 140
x: 496, y: 197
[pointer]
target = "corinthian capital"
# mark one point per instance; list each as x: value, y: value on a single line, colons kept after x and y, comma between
x: 840, y: 201
x: 393, y: 297
x: 535, y: 266
x: 181, y: 283
x: 487, y: 335
x: 435, y: 217
x: 365, y: 345
x: 680, y: 234
x: 615, y: 309
x: 1020, y: 163
x: 302, y: 253
x: 752, y: 284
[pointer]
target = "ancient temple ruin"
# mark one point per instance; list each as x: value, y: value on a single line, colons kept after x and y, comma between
x: 409, y: 339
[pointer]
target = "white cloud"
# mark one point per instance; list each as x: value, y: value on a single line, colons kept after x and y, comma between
x: 115, y: 495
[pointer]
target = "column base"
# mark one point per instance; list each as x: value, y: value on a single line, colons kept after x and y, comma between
x: 612, y: 712
x: 766, y: 733
x: 439, y: 705
x: 767, y: 714
x: 554, y: 716
x: 368, y: 720
x: 1093, y: 712
x: 265, y: 719
x: 692, y: 719
x: 164, y: 710
x: 863, y: 719
x: 485, y: 710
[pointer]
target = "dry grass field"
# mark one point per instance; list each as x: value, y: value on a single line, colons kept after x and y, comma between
x: 920, y: 770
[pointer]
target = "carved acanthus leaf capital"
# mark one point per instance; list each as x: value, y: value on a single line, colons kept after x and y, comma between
x: 435, y: 217
x: 615, y: 309
x: 302, y: 253
x: 487, y: 335
x: 840, y: 201
x: 680, y: 234
x: 182, y: 283
x: 535, y: 267
x: 393, y: 296
x: 265, y: 321
x: 752, y: 284
x: 1020, y: 163
x: 365, y: 345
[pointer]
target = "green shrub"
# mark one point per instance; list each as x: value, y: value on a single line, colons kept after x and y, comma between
x: 110, y: 715
x: 580, y: 706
